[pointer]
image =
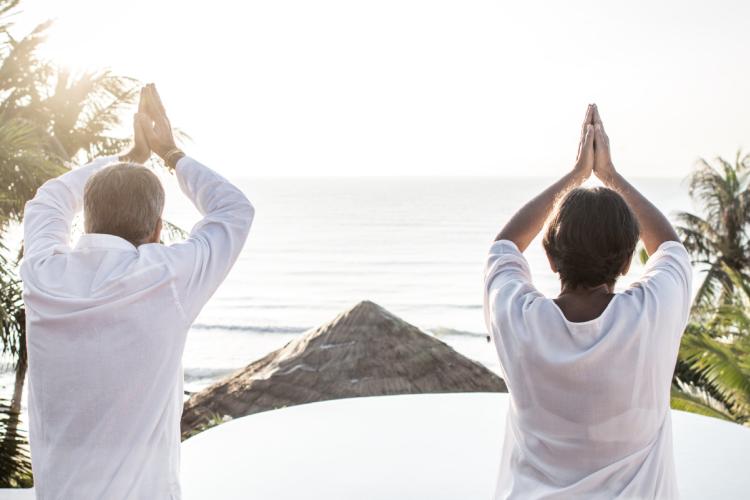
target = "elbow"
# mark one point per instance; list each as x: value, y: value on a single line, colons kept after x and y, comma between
x: 249, y: 212
x: 246, y: 214
x: 241, y: 208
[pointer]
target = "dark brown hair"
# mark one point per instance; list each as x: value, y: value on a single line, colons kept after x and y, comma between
x: 125, y: 200
x: 591, y: 237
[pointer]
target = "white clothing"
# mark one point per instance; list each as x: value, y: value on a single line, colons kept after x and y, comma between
x: 589, y: 415
x: 106, y: 327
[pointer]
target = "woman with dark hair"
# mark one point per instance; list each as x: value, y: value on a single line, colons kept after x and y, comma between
x: 589, y: 372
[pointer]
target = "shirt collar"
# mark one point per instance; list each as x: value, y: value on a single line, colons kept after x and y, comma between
x: 108, y: 241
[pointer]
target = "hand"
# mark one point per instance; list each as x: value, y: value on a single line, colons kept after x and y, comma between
x: 157, y: 128
x: 140, y: 152
x: 585, y: 159
x: 525, y: 225
x: 603, y: 167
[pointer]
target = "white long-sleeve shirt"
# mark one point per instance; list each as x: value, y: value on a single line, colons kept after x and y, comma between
x: 106, y: 327
x: 589, y: 415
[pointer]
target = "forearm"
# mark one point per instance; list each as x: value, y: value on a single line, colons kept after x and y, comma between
x: 211, y: 193
x: 48, y: 216
x: 75, y: 180
x: 526, y: 224
x: 203, y: 260
x: 654, y: 226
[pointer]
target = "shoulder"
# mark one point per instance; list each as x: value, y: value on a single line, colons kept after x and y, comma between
x: 509, y: 291
x: 508, y: 281
x: 670, y: 253
x: 505, y: 262
x: 663, y: 294
x: 668, y: 270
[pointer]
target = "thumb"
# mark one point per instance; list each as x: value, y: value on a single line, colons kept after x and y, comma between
x: 596, y: 118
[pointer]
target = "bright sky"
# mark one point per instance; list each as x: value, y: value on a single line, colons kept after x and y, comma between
x: 429, y: 87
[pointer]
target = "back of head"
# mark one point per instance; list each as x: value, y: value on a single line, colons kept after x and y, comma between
x: 124, y: 200
x: 591, y: 237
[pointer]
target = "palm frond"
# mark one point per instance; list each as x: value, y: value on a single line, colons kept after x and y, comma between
x: 172, y: 232
x: 699, y: 404
x: 723, y: 368
x: 15, y: 459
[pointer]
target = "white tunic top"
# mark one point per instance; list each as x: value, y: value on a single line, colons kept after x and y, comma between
x: 589, y: 413
x: 106, y: 330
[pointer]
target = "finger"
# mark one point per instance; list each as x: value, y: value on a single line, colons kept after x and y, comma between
x: 140, y: 134
x: 148, y: 101
x: 157, y: 100
x: 601, y: 136
x: 586, y: 120
x: 589, y: 116
x: 161, y: 125
x: 597, y: 118
x: 588, y: 140
x: 156, y: 109
x: 146, y: 127
x: 142, y: 100
x: 153, y: 108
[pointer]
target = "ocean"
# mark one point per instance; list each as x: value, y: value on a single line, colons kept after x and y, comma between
x: 318, y: 246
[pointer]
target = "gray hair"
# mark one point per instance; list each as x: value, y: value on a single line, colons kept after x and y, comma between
x: 125, y: 200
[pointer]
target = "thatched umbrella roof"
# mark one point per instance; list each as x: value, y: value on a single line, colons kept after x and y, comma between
x: 365, y: 351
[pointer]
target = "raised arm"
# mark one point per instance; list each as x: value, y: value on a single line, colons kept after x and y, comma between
x: 655, y: 228
x: 523, y: 227
x: 49, y: 215
x: 203, y: 260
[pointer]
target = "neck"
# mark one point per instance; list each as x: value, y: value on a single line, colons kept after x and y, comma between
x: 604, y: 288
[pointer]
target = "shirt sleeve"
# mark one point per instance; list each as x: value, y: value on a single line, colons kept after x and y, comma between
x: 507, y: 292
x: 204, y: 259
x: 665, y: 289
x: 49, y: 215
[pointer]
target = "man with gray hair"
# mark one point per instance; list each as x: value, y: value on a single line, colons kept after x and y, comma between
x: 107, y: 319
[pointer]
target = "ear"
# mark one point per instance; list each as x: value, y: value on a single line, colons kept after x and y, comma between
x: 156, y: 235
x: 551, y: 261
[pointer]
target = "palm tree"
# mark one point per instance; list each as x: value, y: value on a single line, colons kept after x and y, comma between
x: 715, y: 355
x: 719, y: 242
x: 713, y: 368
x: 48, y: 117
x: 14, y: 459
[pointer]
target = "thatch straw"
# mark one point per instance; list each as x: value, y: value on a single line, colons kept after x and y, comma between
x: 365, y: 351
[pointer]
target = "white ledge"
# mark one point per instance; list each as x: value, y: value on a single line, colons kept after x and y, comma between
x: 427, y: 446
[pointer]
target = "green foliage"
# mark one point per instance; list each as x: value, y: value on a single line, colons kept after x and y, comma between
x: 172, y: 232
x: 713, y: 369
x: 15, y: 468
x: 212, y: 419
x: 719, y: 240
x: 12, y: 315
x: 23, y: 168
x: 48, y: 117
x: 686, y: 400
x: 717, y: 355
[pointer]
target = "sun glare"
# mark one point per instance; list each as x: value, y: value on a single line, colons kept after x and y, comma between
x: 421, y: 87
